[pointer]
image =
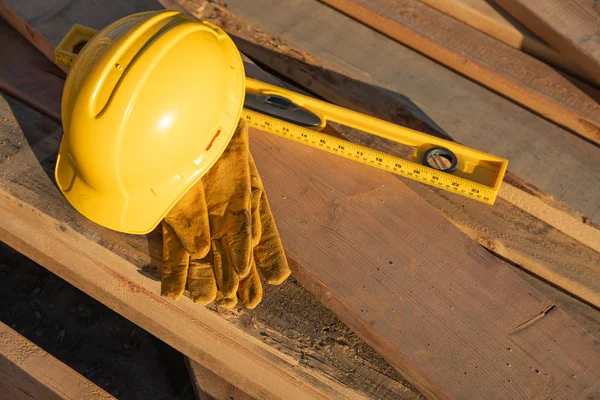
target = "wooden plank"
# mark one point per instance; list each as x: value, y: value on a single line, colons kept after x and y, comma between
x: 570, y: 26
x: 32, y: 81
x: 400, y: 308
x: 516, y: 228
x: 527, y: 81
x: 209, y: 386
x: 290, y: 321
x: 487, y: 17
x: 28, y: 372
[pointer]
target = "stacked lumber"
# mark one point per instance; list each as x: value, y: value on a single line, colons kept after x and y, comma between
x: 452, y: 318
x: 489, y: 18
x: 499, y: 67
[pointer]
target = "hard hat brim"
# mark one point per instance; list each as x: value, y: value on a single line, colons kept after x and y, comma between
x: 141, y: 212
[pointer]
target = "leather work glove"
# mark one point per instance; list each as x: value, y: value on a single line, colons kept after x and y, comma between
x: 221, y: 235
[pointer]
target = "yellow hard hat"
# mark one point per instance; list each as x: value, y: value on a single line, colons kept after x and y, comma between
x: 148, y: 107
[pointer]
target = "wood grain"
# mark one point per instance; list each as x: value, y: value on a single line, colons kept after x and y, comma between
x: 446, y: 323
x: 570, y: 26
x: 209, y: 386
x: 526, y: 226
x: 290, y: 323
x: 522, y: 78
x: 489, y: 18
x: 27, y: 372
x: 34, y: 80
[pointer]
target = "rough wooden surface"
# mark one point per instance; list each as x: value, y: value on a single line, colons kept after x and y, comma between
x: 489, y: 18
x: 525, y: 226
x: 291, y: 327
x: 445, y: 322
x: 27, y: 372
x: 31, y: 82
x: 495, y: 65
x: 209, y: 386
x: 570, y: 26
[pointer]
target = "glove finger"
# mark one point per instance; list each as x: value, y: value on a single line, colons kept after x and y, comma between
x: 239, y: 244
x: 175, y: 265
x: 227, y: 279
x: 255, y: 196
x: 226, y: 302
x: 250, y: 291
x: 269, y: 254
x: 189, y: 220
x: 202, y: 283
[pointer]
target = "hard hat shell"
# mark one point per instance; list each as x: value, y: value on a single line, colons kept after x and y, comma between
x: 148, y: 107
